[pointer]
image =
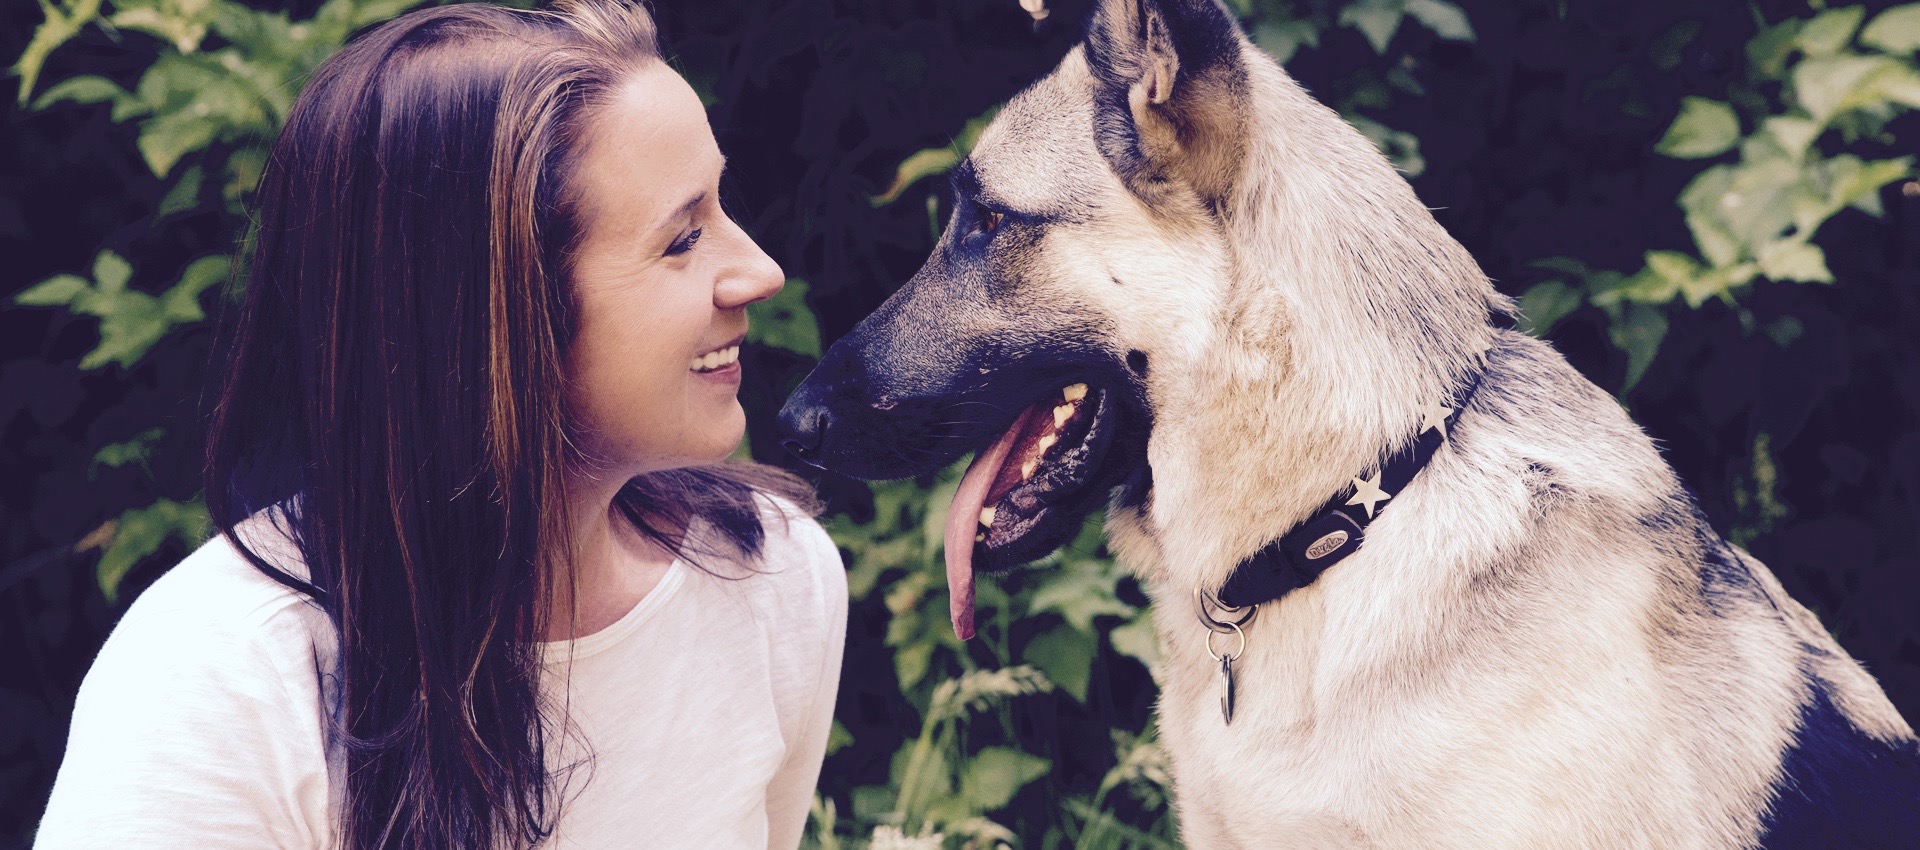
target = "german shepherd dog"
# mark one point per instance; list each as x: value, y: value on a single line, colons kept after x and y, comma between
x: 1177, y: 287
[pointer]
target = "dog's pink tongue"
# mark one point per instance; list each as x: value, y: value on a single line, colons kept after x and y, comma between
x: 963, y: 517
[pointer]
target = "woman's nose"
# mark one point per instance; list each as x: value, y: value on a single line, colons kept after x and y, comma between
x: 753, y: 277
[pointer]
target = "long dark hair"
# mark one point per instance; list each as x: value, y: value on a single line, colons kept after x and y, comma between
x: 396, y: 390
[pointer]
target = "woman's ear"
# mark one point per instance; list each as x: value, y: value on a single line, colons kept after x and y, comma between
x: 1170, y: 76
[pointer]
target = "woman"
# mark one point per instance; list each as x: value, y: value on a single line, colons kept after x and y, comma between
x: 500, y: 594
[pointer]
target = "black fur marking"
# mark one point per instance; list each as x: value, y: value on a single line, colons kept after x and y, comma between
x: 1137, y: 361
x: 1840, y: 788
x: 1205, y: 38
x: 1725, y: 581
x: 965, y: 180
x: 1138, y: 489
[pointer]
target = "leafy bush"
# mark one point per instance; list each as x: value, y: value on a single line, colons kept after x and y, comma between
x: 1039, y: 732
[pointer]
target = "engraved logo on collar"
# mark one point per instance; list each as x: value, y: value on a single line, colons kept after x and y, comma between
x: 1326, y: 545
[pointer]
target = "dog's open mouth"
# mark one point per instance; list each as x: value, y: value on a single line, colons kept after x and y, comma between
x: 1022, y: 488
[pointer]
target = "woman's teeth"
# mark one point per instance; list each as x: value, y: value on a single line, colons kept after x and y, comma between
x: 716, y: 360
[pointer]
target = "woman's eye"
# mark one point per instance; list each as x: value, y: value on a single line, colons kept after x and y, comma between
x: 684, y: 243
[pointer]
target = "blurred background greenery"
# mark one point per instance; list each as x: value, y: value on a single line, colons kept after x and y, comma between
x: 1709, y: 206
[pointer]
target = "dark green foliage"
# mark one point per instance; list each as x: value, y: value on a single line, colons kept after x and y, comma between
x: 1709, y: 207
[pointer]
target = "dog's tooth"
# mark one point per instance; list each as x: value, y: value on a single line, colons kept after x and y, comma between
x: 1075, y: 392
x: 1061, y: 414
x: 1047, y: 442
x: 986, y: 516
x: 1027, y: 469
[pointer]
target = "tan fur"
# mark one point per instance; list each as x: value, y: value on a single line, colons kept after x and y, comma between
x: 1513, y: 659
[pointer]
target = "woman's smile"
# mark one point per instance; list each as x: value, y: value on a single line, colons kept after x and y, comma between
x: 721, y: 365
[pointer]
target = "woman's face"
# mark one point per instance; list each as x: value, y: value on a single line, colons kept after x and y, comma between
x: 662, y: 280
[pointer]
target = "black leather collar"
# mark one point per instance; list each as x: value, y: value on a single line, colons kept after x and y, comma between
x: 1340, y: 526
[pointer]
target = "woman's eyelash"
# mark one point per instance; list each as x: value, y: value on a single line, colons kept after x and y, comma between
x: 684, y: 243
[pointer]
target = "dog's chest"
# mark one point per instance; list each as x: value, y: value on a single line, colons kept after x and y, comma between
x: 1285, y: 769
x: 1346, y: 735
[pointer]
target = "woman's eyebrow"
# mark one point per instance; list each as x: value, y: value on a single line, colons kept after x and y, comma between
x: 680, y: 211
x: 687, y: 206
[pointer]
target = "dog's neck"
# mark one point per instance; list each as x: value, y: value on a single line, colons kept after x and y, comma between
x: 1312, y: 375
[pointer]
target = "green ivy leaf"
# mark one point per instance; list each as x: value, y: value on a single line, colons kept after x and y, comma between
x: 116, y: 455
x: 784, y: 321
x: 1850, y: 179
x: 1672, y: 265
x: 838, y: 738
x: 1378, y: 20
x: 60, y: 24
x: 1896, y: 30
x: 911, y: 661
x: 1828, y: 32
x: 919, y: 164
x: 243, y: 174
x: 164, y: 140
x: 83, y: 89
x: 1638, y: 331
x: 1715, y: 243
x: 1716, y: 283
x: 140, y: 532
x: 174, y: 23
x: 1284, y: 37
x: 56, y: 291
x: 1066, y: 656
x: 181, y: 303
x: 1795, y: 260
x: 1703, y: 128
x: 1898, y: 83
x: 995, y: 774
x: 1445, y: 19
x: 1400, y: 147
x: 1793, y: 134
x: 1829, y: 85
x: 1769, y: 50
x: 111, y: 271
x: 931, y: 161
x: 1544, y: 304
x: 185, y: 193
x: 1138, y: 639
x: 1750, y: 201
x: 1079, y: 591
x: 130, y: 323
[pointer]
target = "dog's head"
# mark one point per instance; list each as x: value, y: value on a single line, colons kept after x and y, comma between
x: 1084, y: 254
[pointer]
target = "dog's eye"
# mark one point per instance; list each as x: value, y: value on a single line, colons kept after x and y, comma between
x: 988, y: 221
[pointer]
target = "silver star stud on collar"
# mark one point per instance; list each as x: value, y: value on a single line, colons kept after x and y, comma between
x: 1435, y: 416
x: 1368, y: 492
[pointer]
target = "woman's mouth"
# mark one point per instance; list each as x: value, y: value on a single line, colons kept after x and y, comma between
x: 717, y: 360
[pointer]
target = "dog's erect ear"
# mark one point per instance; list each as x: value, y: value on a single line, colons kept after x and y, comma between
x: 1170, y: 80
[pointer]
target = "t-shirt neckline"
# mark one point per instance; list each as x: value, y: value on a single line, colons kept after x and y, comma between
x: 560, y: 651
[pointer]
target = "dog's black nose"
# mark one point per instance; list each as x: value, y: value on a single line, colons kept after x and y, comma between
x: 803, y: 428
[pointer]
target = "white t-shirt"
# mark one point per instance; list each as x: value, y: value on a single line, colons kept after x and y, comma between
x: 706, y: 709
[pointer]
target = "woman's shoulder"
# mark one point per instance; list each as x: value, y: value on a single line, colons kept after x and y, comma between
x: 798, y: 574
x: 216, y: 607
x: 796, y: 540
x: 206, y: 703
